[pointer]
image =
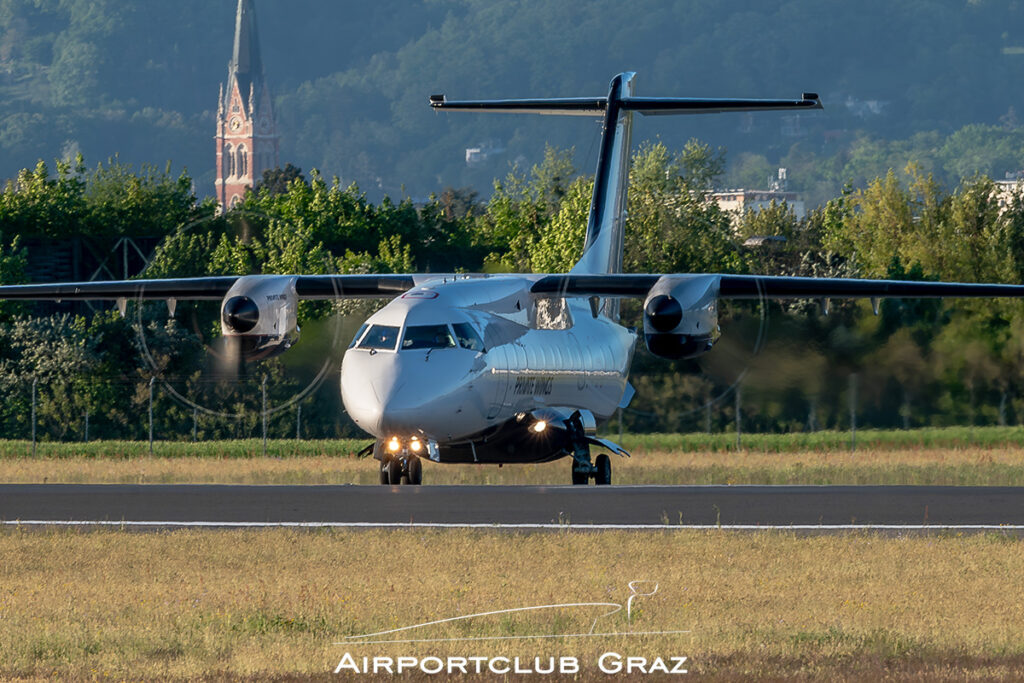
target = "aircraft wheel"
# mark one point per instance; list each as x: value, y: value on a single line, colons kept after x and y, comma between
x: 415, y: 466
x: 394, y: 471
x: 578, y: 478
x: 603, y: 476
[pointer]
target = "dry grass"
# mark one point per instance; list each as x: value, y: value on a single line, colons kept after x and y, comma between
x: 246, y: 604
x: 996, y: 466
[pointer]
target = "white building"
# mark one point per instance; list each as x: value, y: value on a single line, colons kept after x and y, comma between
x: 739, y: 201
x: 1005, y: 189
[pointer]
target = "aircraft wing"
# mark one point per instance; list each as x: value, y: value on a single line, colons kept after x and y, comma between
x: 215, y: 288
x: 771, y: 287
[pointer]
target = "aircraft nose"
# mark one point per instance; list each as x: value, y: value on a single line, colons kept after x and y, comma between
x: 387, y: 394
x: 365, y: 384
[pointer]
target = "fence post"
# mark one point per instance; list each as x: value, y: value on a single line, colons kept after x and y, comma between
x: 151, y: 380
x: 853, y: 411
x: 298, y: 422
x: 263, y: 386
x: 707, y: 416
x: 195, y: 425
x: 87, y: 424
x: 35, y: 381
x: 739, y: 438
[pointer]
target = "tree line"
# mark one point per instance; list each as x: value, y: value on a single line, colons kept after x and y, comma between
x: 918, y: 362
x: 351, y: 80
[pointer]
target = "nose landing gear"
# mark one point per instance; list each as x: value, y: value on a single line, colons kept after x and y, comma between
x: 401, y: 469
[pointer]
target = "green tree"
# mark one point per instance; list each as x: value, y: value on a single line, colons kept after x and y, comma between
x: 13, y: 261
x: 276, y: 180
x: 672, y: 225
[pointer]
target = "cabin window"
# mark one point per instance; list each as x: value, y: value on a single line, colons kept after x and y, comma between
x: 427, y: 337
x: 468, y: 337
x: 380, y: 337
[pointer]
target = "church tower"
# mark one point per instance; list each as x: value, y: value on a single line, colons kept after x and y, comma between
x: 246, y: 132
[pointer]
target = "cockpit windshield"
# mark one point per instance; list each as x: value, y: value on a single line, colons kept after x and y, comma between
x: 427, y: 337
x: 468, y: 337
x: 380, y: 337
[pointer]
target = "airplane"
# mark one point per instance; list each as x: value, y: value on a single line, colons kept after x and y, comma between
x: 509, y: 368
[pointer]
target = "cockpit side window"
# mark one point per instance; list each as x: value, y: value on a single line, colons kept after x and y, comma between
x: 468, y: 337
x: 427, y: 337
x: 359, y: 334
x: 380, y: 337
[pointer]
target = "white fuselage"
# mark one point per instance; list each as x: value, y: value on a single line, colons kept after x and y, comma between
x: 527, y: 354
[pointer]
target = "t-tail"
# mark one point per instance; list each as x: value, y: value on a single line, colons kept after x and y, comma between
x: 603, y: 246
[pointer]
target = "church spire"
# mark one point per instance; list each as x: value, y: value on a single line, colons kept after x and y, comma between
x: 245, y: 57
x: 246, y: 133
x: 246, y: 66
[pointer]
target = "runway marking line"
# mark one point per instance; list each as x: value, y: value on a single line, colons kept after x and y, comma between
x: 555, y: 526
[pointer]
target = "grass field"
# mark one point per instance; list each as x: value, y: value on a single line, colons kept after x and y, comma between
x: 870, y: 439
x: 950, y: 467
x: 241, y: 605
x: 981, y: 457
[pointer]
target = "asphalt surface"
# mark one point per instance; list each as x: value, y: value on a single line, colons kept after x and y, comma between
x: 516, y: 505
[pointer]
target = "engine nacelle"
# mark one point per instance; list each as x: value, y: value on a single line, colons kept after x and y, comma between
x: 259, y: 315
x: 681, y: 316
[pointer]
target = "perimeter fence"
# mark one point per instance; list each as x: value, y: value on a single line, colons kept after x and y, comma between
x: 258, y: 407
x: 162, y: 409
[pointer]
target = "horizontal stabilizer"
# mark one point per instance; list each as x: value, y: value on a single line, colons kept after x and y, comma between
x: 566, y: 106
x: 654, y: 106
x: 648, y: 106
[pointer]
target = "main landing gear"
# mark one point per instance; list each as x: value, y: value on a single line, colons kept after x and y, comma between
x: 401, y: 469
x: 582, y: 468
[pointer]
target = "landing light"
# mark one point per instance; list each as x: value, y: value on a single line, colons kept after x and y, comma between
x: 415, y: 445
x: 539, y: 426
x: 393, y: 445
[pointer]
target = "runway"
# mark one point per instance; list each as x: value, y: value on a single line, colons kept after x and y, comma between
x: 732, y: 507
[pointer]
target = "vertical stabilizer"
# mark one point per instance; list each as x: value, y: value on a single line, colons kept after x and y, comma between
x: 606, y: 225
x: 602, y: 249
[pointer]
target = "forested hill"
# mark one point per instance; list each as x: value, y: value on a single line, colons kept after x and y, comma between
x: 140, y: 79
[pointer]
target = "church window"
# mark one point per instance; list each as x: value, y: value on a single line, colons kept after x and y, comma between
x: 242, y: 165
x: 228, y: 159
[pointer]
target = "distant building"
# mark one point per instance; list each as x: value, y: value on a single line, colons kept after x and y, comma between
x: 755, y: 200
x: 1006, y: 189
x: 739, y: 201
x: 246, y: 132
x: 865, y: 108
x: 480, y: 154
x: 791, y: 127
